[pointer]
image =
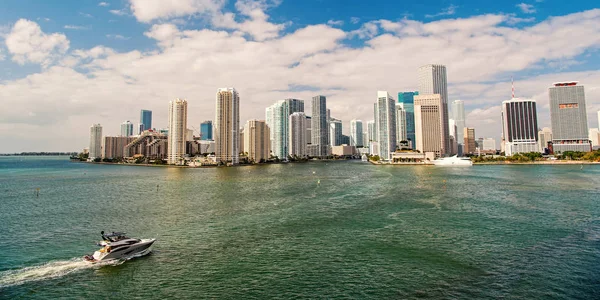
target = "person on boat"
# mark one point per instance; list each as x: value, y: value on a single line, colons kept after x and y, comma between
x: 104, y: 238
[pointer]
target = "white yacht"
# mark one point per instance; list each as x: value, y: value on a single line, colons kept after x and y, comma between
x: 118, y: 246
x: 453, y: 161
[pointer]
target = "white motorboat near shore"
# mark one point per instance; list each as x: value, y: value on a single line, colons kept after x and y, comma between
x: 453, y: 161
x: 118, y: 246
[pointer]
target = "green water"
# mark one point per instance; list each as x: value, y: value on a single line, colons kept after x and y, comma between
x: 388, y: 232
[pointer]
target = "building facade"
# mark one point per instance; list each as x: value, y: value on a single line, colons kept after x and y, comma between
x: 458, y: 115
x: 356, y: 133
x: 401, y: 122
x: 408, y: 100
x: 432, y: 81
x: 298, y: 135
x: 150, y: 144
x: 279, y: 121
x: 544, y: 136
x: 114, y: 146
x: 469, y: 141
x: 227, y: 126
x: 385, y: 122
x: 319, y: 127
x: 519, y: 126
x: 177, y: 131
x: 206, y: 130
x: 428, y: 124
x: 126, y: 128
x: 371, y: 133
x: 335, y: 132
x: 145, y: 120
x: 569, y: 118
x: 257, y: 141
x: 95, y: 149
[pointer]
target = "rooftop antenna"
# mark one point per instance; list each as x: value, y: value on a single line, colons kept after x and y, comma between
x: 513, y: 87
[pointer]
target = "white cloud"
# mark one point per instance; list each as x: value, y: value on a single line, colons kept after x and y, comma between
x: 118, y: 12
x: 75, y: 27
x: 526, y: 8
x: 44, y: 19
x: 27, y: 43
x: 335, y: 22
x: 149, y: 10
x: 354, y: 20
x: 85, y: 15
x: 103, y: 4
x: 448, y: 11
x: 117, y: 37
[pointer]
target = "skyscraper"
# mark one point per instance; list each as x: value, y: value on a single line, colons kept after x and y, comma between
x: 385, y: 122
x: 408, y: 100
x: 458, y: 114
x: 206, y: 130
x: 177, y: 131
x: 428, y: 124
x: 256, y: 140
x: 519, y: 126
x: 145, y: 120
x: 371, y: 132
x: 320, y: 130
x: 401, y: 122
x: 335, y: 132
x: 279, y: 121
x: 356, y: 133
x: 308, y: 131
x: 126, y: 128
x: 544, y: 136
x: 469, y: 140
x: 569, y: 118
x: 227, y: 124
x: 298, y: 135
x: 432, y: 80
x: 95, y: 141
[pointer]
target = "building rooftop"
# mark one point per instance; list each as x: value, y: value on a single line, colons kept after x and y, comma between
x: 566, y: 83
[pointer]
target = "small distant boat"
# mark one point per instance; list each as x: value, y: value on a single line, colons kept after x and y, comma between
x: 364, y: 158
x: 118, y: 246
x: 453, y: 161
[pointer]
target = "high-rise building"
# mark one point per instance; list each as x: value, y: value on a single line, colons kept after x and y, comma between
x: 453, y: 133
x: 298, y: 134
x: 320, y: 130
x: 544, y: 136
x: 95, y: 141
x: 308, y: 130
x: 126, y: 128
x: 356, y: 133
x: 145, y: 120
x: 569, y: 118
x: 489, y: 144
x: 177, y: 131
x: 371, y: 132
x: 227, y: 125
x: 335, y: 132
x: 432, y: 80
x: 256, y: 140
x: 279, y: 121
x: 206, y: 130
x: 598, y: 119
x: 408, y: 100
x: 401, y: 121
x: 345, y: 140
x: 428, y: 124
x: 140, y: 128
x: 328, y: 126
x: 519, y: 126
x: 469, y: 140
x: 458, y: 114
x: 113, y: 146
x: 385, y: 122
x: 594, y: 137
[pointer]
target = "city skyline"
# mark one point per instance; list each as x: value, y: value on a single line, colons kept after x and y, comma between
x: 92, y: 59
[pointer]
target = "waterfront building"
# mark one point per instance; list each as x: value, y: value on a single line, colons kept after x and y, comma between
x: 279, y: 121
x: 256, y: 140
x: 150, y: 144
x: 489, y: 144
x: 126, y: 128
x: 373, y: 148
x: 242, y: 149
x: 145, y: 120
x: 95, y: 141
x: 428, y: 124
x: 433, y: 81
x: 328, y: 126
x: 453, y: 135
x: 335, y: 132
x: 319, y: 128
x: 544, y: 136
x: 343, y: 150
x: 298, y: 134
x: 308, y: 131
x: 114, y: 146
x: 401, y: 132
x: 594, y: 136
x: 356, y: 133
x: 569, y: 118
x: 177, y: 131
x: 206, y: 130
x: 519, y: 126
x: 385, y: 113
x: 458, y: 115
x: 469, y: 141
x: 371, y: 132
x: 345, y: 140
x: 408, y: 100
x: 227, y: 125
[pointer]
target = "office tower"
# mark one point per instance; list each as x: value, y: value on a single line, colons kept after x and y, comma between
x: 408, y: 100
x: 298, y: 134
x: 428, y: 124
x: 308, y: 130
x: 227, y: 124
x: 458, y: 114
x: 453, y: 132
x: 241, y: 145
x: 328, y: 123
x: 256, y: 140
x: 469, y: 140
x: 206, y: 130
x: 140, y: 128
x: 519, y: 126
x: 113, y: 146
x: 598, y: 119
x: 594, y: 136
x: 489, y: 144
x: 371, y: 132
x: 126, y: 128
x: 344, y: 140
x: 95, y: 141
x: 335, y: 132
x: 432, y: 80
x: 356, y: 133
x: 385, y: 122
x: 544, y: 136
x: 320, y: 130
x: 145, y: 120
x: 177, y: 131
x: 278, y: 120
x: 569, y: 118
x: 401, y: 132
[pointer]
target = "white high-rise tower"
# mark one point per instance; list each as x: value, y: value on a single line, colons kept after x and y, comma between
x: 458, y: 114
x: 433, y: 80
x: 227, y: 126
x: 297, y: 134
x: 95, y: 141
x: 356, y: 133
x: 385, y: 122
x: 177, y: 131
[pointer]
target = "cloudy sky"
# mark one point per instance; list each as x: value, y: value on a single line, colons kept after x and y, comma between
x: 68, y: 64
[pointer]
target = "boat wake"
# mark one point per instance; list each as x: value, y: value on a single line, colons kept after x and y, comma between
x: 50, y: 270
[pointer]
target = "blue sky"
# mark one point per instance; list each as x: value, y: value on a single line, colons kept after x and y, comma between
x: 68, y: 64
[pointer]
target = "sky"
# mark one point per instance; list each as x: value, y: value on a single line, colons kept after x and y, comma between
x: 66, y: 65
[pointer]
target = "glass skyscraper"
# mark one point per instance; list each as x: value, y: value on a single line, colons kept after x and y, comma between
x: 145, y: 120
x: 206, y: 130
x: 408, y: 99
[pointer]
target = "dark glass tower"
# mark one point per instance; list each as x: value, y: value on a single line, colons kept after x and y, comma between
x: 408, y: 99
